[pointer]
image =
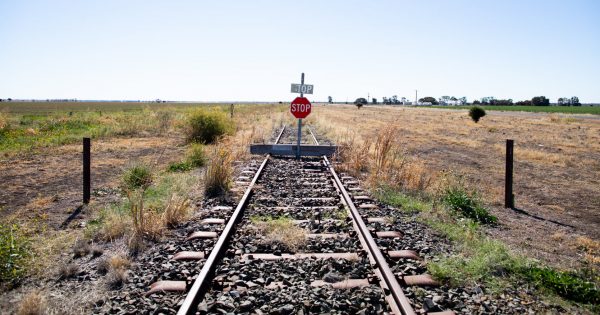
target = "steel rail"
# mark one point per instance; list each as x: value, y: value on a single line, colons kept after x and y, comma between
x: 402, y: 303
x: 202, y: 282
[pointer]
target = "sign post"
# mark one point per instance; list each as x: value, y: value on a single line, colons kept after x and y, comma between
x: 300, y: 106
x: 300, y: 120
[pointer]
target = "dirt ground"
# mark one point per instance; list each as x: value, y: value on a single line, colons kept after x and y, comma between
x: 557, y: 167
x: 47, y: 186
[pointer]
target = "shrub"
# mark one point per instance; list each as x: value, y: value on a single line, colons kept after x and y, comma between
x: 206, y: 126
x: 459, y: 200
x: 137, y: 176
x: 195, y: 155
x: 14, y: 253
x: 476, y: 113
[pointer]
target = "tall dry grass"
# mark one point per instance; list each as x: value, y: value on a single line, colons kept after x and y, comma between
x: 217, y: 180
x: 147, y: 224
x: 381, y: 161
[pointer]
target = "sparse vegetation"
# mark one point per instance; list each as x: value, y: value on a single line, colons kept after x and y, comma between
x: 206, y: 126
x: 476, y: 113
x: 195, y: 157
x: 282, y: 231
x: 14, y: 253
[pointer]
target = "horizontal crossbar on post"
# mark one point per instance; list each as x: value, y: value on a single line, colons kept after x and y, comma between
x: 290, y: 149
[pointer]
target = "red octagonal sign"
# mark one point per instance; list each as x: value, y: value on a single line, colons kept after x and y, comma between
x: 300, y: 107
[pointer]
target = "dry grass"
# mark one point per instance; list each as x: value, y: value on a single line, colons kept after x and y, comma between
x: 147, y: 224
x: 118, y: 266
x: 34, y: 303
x: 281, y: 231
x: 590, y: 248
x: 217, y: 179
x: 81, y: 248
x: 115, y: 226
x: 176, y: 211
x: 68, y: 271
x: 382, y: 162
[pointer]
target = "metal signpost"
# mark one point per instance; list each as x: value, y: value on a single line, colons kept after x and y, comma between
x: 300, y: 107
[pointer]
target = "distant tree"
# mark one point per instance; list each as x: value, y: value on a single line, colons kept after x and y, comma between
x: 476, y: 102
x: 575, y: 101
x: 1, y: 100
x: 374, y: 100
x: 9, y: 99
x: 540, y: 101
x: 395, y: 99
x: 360, y: 102
x: 508, y: 102
x: 463, y: 100
x: 476, y: 113
x: 330, y: 99
x: 429, y: 99
x: 523, y: 103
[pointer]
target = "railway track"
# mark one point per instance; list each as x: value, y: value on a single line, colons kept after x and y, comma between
x: 302, y: 239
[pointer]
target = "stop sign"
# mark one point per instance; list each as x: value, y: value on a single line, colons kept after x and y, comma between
x: 300, y: 107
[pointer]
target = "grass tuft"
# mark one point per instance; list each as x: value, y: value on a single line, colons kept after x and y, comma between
x: 81, y: 248
x: 218, y: 173
x: 68, y: 271
x: 176, y: 211
x: 34, y: 303
x: 137, y: 177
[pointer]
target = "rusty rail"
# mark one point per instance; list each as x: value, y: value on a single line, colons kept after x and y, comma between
x: 399, y: 301
x: 202, y: 283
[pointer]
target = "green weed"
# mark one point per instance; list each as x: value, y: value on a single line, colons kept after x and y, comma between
x: 179, y: 167
x: 14, y: 253
x: 137, y: 177
x: 467, y: 204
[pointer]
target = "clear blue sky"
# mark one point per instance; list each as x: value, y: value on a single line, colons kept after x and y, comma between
x: 253, y: 50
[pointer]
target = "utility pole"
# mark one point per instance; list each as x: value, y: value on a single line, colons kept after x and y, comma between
x: 416, y: 102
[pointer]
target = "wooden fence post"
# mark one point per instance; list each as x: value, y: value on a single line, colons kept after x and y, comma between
x: 509, y: 199
x: 86, y: 170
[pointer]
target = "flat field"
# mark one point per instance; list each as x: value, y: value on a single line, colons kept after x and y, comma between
x: 557, y: 167
x: 595, y: 110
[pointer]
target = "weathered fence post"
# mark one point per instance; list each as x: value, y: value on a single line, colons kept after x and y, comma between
x: 86, y: 170
x: 231, y: 111
x: 509, y: 199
